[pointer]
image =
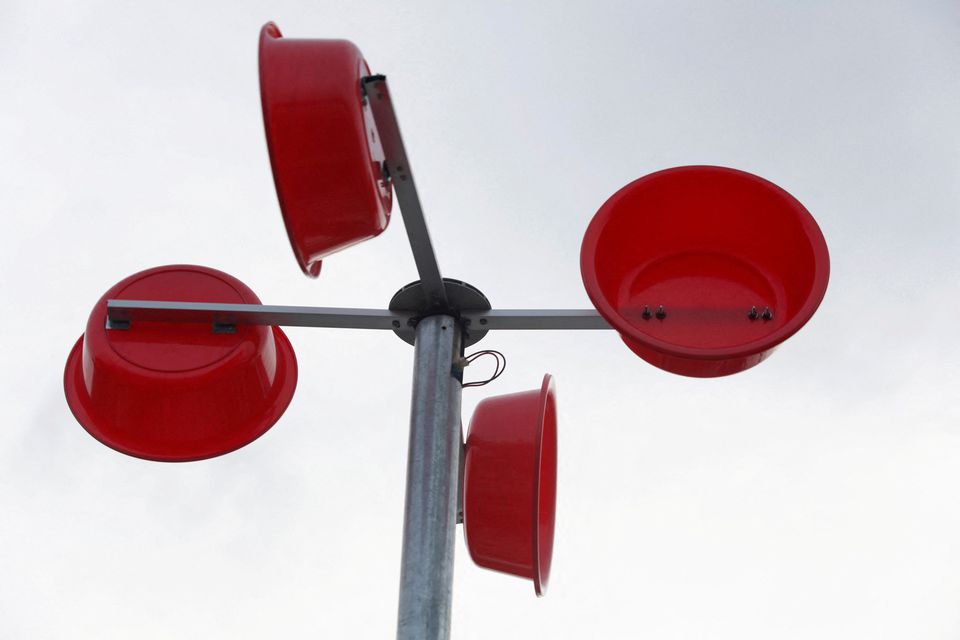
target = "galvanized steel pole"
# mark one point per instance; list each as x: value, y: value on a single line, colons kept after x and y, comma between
x: 433, y: 459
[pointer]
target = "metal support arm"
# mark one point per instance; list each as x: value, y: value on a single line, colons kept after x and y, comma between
x: 398, y: 168
x: 121, y: 312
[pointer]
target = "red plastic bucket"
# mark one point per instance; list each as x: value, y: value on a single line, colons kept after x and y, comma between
x: 324, y: 148
x: 178, y: 391
x: 704, y: 270
x: 510, y: 483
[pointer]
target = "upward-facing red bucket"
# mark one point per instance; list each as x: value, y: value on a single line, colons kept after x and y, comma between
x: 704, y: 270
x: 510, y: 483
x: 324, y: 148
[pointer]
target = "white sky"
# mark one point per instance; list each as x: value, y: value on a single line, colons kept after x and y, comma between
x: 814, y: 496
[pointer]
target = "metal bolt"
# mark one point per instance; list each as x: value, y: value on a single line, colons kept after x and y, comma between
x: 661, y: 313
x: 646, y: 312
x: 483, y: 321
x: 754, y: 314
x: 767, y: 314
x: 396, y: 324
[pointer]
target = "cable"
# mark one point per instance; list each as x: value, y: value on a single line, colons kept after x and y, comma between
x: 501, y: 366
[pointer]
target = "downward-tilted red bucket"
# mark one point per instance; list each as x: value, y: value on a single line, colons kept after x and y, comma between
x: 510, y: 483
x: 704, y: 270
x: 179, y: 391
x: 324, y: 148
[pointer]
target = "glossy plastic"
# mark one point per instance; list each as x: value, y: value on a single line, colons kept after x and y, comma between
x: 324, y: 149
x: 510, y: 483
x: 709, y: 245
x: 176, y: 391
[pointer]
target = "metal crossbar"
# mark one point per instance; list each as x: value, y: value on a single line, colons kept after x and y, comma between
x: 121, y: 313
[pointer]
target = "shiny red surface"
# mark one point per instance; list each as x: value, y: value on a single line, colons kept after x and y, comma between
x: 324, y: 148
x: 510, y: 483
x: 176, y: 391
x: 707, y: 243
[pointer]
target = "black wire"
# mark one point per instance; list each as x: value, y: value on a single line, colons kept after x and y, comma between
x: 501, y: 366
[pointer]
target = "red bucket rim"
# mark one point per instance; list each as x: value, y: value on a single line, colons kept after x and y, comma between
x: 270, y: 30
x: 85, y: 413
x: 818, y: 289
x: 541, y: 566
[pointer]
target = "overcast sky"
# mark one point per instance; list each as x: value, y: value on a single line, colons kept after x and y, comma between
x: 813, y: 496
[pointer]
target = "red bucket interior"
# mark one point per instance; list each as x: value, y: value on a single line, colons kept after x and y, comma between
x: 728, y: 260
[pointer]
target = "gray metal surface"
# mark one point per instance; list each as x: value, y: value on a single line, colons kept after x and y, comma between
x: 529, y: 319
x: 411, y: 299
x: 122, y: 312
x: 433, y: 461
x: 398, y: 168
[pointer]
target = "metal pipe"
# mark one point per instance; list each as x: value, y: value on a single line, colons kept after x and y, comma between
x: 433, y: 460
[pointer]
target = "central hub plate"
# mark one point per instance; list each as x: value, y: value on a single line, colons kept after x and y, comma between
x: 461, y: 297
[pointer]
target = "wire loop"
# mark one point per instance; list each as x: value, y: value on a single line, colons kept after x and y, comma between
x: 501, y: 366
